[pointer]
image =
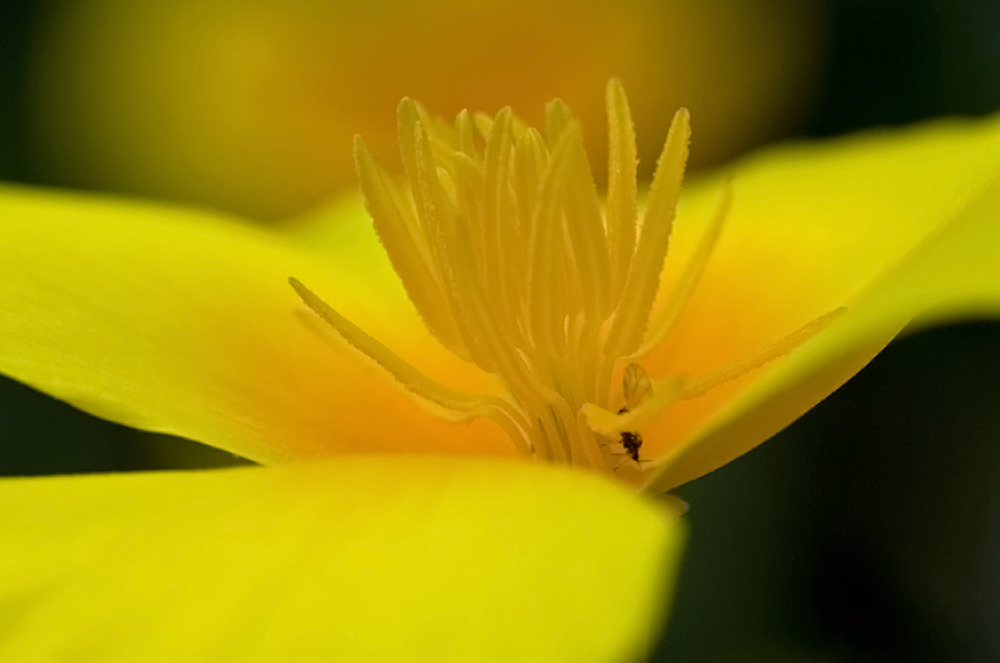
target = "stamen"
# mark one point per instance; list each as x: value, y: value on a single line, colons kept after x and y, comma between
x: 465, y: 406
x: 469, y: 193
x: 407, y: 119
x: 705, y: 383
x: 644, y: 273
x: 622, y: 163
x: 465, y: 134
x: 604, y: 422
x: 546, y: 301
x: 598, y: 457
x: 512, y: 263
x: 558, y: 117
x: 503, y: 269
x: 674, y: 389
x: 681, y: 293
x: 585, y: 228
x: 409, y: 258
x: 484, y: 125
x: 448, y: 240
x: 441, y: 137
x: 531, y: 156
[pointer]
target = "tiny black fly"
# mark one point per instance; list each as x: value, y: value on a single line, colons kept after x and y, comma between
x: 636, y: 386
x: 631, y: 441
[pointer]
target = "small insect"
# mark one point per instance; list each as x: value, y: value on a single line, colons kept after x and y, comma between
x: 631, y: 441
x: 636, y: 387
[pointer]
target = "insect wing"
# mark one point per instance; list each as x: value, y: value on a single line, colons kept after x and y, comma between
x: 636, y: 385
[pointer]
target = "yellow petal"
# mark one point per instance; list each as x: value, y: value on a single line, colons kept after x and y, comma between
x: 183, y: 322
x: 814, y: 228
x: 364, y: 558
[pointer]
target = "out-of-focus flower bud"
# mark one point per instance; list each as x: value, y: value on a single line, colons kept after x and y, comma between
x: 252, y: 106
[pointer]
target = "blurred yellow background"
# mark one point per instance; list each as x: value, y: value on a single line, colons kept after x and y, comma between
x: 252, y: 106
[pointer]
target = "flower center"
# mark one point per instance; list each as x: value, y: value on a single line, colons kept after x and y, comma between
x: 513, y: 264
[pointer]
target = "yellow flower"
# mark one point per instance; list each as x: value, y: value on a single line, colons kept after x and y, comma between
x: 513, y: 267
x: 528, y: 302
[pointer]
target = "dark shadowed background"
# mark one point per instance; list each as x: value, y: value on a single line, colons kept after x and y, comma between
x: 867, y: 531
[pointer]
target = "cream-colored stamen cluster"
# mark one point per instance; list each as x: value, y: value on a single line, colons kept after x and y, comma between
x: 499, y: 236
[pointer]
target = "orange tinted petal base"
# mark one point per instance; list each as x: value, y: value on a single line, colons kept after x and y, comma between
x: 811, y: 227
x: 183, y: 322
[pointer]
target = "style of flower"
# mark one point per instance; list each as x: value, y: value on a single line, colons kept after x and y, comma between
x: 516, y: 299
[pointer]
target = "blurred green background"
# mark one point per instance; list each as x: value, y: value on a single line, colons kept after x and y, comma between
x: 867, y: 531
